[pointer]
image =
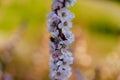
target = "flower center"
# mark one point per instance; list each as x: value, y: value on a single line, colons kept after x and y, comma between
x: 63, y: 14
x: 65, y: 24
x: 58, y: 73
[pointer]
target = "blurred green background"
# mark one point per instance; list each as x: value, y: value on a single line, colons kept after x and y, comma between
x: 96, y: 47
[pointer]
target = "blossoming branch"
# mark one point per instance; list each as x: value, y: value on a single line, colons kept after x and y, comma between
x: 59, y: 24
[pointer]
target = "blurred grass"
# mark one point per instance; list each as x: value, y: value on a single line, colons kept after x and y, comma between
x: 99, y: 19
x: 101, y: 22
x: 13, y: 13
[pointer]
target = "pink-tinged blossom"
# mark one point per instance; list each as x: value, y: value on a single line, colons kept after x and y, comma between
x: 59, y: 24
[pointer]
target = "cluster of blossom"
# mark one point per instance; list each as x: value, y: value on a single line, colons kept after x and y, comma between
x: 59, y: 24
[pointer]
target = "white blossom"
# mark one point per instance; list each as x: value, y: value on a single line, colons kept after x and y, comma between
x: 70, y: 3
x: 52, y: 47
x: 51, y: 15
x: 66, y: 23
x: 52, y: 23
x: 67, y: 56
x: 63, y: 44
x: 58, y: 0
x: 65, y: 14
x: 68, y: 35
x: 56, y: 5
x: 59, y: 63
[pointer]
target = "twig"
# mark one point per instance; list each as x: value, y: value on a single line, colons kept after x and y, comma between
x: 97, y: 74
